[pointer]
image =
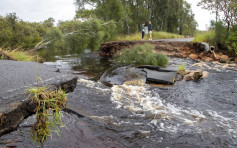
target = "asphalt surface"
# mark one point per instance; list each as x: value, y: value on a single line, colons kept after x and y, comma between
x: 175, y: 40
x: 16, y: 77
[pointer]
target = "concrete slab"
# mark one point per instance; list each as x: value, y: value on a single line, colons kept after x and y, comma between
x: 15, y: 78
x: 163, y: 77
x: 155, y: 74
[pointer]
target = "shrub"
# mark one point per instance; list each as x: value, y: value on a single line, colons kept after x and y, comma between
x: 141, y: 54
x: 216, y: 36
x: 232, y: 40
x: 205, y: 37
x: 220, y: 35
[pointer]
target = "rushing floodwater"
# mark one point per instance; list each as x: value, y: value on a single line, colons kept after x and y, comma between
x: 188, y: 114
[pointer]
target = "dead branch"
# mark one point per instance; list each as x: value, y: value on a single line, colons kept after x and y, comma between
x: 6, y: 56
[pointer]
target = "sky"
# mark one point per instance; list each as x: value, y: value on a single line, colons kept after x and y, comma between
x: 40, y: 10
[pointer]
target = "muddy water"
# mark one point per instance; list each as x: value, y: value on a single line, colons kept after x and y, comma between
x: 188, y: 114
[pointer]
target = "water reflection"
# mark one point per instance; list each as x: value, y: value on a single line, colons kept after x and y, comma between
x: 86, y: 64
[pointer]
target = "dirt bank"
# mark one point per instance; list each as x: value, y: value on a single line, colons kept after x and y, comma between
x: 181, y: 49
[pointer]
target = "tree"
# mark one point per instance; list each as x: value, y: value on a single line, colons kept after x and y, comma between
x: 226, y: 7
x: 49, y: 23
x: 15, y: 33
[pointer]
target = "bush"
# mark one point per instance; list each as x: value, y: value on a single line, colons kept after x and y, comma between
x: 141, y: 54
x: 216, y: 36
x: 220, y: 35
x: 205, y: 37
x: 232, y: 40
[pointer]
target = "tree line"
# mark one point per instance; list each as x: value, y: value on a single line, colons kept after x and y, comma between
x: 173, y: 16
x: 72, y: 35
x: 103, y: 22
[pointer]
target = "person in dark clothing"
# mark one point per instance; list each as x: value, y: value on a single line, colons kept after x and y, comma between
x: 150, y: 30
x: 143, y: 30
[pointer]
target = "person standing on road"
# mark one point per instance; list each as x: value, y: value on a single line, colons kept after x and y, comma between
x: 143, y: 30
x: 150, y: 30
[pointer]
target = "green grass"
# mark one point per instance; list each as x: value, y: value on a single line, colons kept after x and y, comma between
x: 141, y: 54
x: 20, y: 55
x: 155, y: 35
x: 205, y: 37
x: 182, y: 68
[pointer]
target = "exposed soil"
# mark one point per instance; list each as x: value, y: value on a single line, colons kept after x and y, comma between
x: 174, y: 48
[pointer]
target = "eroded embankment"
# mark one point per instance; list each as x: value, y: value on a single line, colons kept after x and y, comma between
x: 181, y: 49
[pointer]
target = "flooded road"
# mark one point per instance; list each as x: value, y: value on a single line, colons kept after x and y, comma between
x: 187, y: 114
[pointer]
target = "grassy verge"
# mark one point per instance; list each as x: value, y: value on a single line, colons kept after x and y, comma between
x: 155, y: 35
x: 141, y: 54
x: 205, y: 37
x: 20, y: 55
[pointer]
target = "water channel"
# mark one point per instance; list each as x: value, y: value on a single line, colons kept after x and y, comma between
x: 186, y: 114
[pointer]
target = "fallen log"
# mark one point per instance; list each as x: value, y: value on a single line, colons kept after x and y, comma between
x: 7, y: 56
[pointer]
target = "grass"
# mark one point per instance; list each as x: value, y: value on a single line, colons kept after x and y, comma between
x: 141, y: 54
x: 205, y: 37
x: 155, y: 35
x: 48, y: 107
x: 182, y: 68
x: 20, y: 55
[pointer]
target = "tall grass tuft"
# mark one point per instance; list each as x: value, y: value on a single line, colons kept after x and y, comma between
x: 141, y: 54
x: 48, y: 112
x: 182, y: 68
x: 155, y: 35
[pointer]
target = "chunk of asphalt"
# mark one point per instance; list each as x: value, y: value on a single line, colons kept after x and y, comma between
x: 15, y: 78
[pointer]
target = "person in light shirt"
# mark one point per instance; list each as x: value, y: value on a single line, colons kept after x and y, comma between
x: 150, y: 30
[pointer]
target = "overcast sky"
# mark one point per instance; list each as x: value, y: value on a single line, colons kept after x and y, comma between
x: 39, y: 10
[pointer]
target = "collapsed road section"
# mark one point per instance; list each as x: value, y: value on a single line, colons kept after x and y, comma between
x: 15, y: 78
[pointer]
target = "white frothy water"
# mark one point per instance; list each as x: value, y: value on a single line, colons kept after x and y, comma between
x: 170, y: 117
x: 167, y: 117
x: 92, y: 84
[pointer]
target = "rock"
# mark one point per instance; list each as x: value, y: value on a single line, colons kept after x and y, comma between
x: 183, y: 55
x: 224, y: 59
x: 161, y: 76
x: 193, y: 56
x: 193, y: 75
x: 188, y: 77
x: 117, y: 76
x: 207, y: 59
x: 179, y: 77
x: 205, y: 74
x: 218, y: 57
x: 201, y: 55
